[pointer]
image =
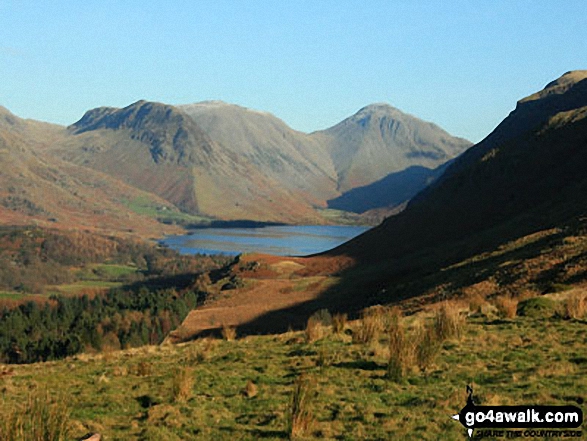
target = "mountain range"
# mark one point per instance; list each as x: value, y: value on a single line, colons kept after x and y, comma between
x: 220, y: 161
x: 528, y: 175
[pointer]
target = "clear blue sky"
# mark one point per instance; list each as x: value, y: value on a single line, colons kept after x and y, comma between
x: 460, y: 64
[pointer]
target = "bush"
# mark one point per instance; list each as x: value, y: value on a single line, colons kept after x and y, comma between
x: 537, y: 307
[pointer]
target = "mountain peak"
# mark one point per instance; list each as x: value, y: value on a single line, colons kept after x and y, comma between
x: 380, y: 109
x: 559, y: 86
x: 218, y: 105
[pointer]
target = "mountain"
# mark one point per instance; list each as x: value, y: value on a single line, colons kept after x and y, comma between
x: 228, y: 162
x: 163, y: 150
x: 528, y: 175
x: 294, y: 159
x: 379, y: 140
x: 38, y: 188
x: 389, y: 193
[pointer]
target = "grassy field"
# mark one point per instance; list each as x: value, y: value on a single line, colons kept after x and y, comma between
x: 145, y: 207
x: 243, y: 389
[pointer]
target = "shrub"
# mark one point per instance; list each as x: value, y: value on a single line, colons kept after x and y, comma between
x: 537, y: 307
x: 575, y: 305
x: 506, y: 306
x: 300, y: 418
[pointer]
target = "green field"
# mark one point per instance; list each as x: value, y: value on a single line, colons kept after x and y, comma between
x: 165, y: 214
x: 196, y: 391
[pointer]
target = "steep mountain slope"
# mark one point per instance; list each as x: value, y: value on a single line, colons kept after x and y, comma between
x: 161, y: 149
x: 38, y: 188
x: 226, y: 161
x: 389, y: 193
x: 379, y: 140
x: 528, y: 175
x: 295, y: 160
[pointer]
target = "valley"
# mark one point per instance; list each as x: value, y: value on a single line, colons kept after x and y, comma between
x: 376, y: 338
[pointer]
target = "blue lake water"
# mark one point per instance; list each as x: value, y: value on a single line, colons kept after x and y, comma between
x: 289, y: 240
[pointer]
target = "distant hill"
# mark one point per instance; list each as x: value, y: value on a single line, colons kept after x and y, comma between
x: 39, y: 188
x: 227, y: 162
x: 528, y: 175
x: 390, y: 192
x: 379, y: 140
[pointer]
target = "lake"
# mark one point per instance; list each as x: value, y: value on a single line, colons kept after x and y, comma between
x: 286, y: 240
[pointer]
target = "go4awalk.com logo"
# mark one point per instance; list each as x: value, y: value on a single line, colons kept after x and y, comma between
x: 520, y: 421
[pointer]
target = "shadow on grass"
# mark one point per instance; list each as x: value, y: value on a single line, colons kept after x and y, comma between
x: 364, y: 365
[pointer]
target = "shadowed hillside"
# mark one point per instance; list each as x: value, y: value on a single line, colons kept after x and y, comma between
x: 508, y: 217
x: 528, y: 174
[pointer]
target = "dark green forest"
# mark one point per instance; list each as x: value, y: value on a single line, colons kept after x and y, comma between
x: 153, y: 299
x: 65, y: 326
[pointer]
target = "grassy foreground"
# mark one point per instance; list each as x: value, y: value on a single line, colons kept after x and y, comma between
x: 336, y: 384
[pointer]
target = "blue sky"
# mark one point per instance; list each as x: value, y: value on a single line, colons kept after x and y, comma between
x: 460, y: 64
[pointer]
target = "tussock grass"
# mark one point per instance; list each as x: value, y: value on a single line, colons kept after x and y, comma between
x: 228, y: 333
x: 575, y: 305
x: 314, y: 330
x: 401, y: 348
x: 339, y: 322
x: 374, y: 321
x: 506, y: 306
x: 448, y: 321
x: 427, y: 346
x: 182, y: 384
x: 350, y: 394
x: 300, y: 418
x: 250, y: 389
x: 42, y: 417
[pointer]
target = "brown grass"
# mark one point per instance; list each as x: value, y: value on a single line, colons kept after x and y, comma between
x: 506, y: 306
x: 575, y: 305
x: 448, y: 322
x: 228, y: 333
x: 300, y: 417
x: 427, y: 347
x: 314, y: 330
x: 41, y: 418
x: 250, y: 390
x: 339, y: 322
x: 401, y: 349
x: 369, y: 328
x: 182, y: 384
